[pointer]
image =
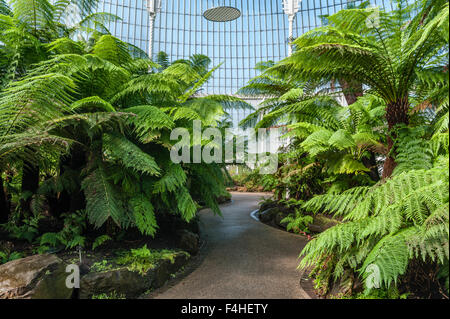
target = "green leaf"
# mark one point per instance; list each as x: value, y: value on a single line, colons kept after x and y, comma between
x: 144, y: 214
x: 103, y: 200
x: 129, y: 154
x: 100, y: 240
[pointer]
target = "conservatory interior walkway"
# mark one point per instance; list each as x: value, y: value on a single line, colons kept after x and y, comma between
x: 244, y: 258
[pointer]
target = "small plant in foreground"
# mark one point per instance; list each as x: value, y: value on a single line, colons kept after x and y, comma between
x: 112, y: 295
x: 6, y: 256
x: 143, y: 259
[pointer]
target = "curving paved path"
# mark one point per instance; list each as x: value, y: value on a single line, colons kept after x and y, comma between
x: 244, y: 258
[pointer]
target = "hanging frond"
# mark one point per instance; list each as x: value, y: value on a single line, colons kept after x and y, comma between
x: 103, y: 199
x: 129, y: 154
x: 144, y: 214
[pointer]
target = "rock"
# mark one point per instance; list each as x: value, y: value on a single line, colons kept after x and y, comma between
x: 188, y: 241
x: 168, y: 267
x: 131, y: 284
x: 84, y: 269
x: 34, y: 277
x: 268, y: 215
x: 322, y: 223
x: 121, y: 281
x: 267, y: 205
x: 279, y: 217
x: 315, y: 228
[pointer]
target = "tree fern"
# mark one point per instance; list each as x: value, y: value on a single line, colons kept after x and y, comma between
x: 392, y: 217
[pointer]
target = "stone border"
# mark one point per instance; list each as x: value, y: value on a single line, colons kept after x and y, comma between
x: 131, y: 284
x: 193, y: 263
x: 306, y: 284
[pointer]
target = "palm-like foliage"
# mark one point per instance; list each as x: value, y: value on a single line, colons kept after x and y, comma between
x: 132, y: 145
x: 346, y: 137
x: 384, y: 55
x: 26, y: 28
x: 389, y: 224
x: 99, y: 120
x: 402, y: 63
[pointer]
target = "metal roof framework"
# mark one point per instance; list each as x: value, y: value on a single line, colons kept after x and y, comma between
x: 260, y: 33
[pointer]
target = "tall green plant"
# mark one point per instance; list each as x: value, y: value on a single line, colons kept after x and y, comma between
x: 385, y: 55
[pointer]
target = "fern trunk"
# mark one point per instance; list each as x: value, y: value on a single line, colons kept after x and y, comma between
x: 371, y: 163
x: 76, y: 161
x: 30, y: 183
x: 396, y: 113
x: 30, y: 178
x: 351, y: 89
x: 4, y: 207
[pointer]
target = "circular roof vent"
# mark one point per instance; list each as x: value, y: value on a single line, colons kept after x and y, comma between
x: 222, y: 14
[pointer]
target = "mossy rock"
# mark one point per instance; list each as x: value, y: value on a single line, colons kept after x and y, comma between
x: 268, y: 215
x: 322, y: 223
x: 188, y: 241
x: 35, y: 277
x: 122, y: 281
x: 169, y: 267
x: 279, y: 217
x: 131, y: 284
x: 267, y: 205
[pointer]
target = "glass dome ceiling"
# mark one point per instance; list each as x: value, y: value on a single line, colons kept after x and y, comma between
x: 260, y: 33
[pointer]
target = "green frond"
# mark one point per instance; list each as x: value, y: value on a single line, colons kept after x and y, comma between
x: 185, y: 203
x: 149, y: 119
x: 93, y: 103
x: 112, y: 49
x: 198, y: 84
x: 103, y: 199
x: 229, y: 102
x: 144, y: 214
x: 129, y: 154
x: 342, y: 140
x: 65, y: 46
x: 174, y: 177
x: 413, y: 152
x: 209, y: 110
x: 184, y: 113
x: 391, y: 256
x: 345, y: 164
x: 37, y: 14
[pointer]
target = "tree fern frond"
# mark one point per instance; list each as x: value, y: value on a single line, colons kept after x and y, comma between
x: 103, y: 200
x: 391, y: 256
x: 174, y: 177
x: 144, y: 214
x: 93, y: 103
x: 129, y: 154
x: 185, y: 203
x: 149, y: 118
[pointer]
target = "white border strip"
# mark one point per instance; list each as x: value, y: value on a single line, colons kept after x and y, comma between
x: 253, y: 215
